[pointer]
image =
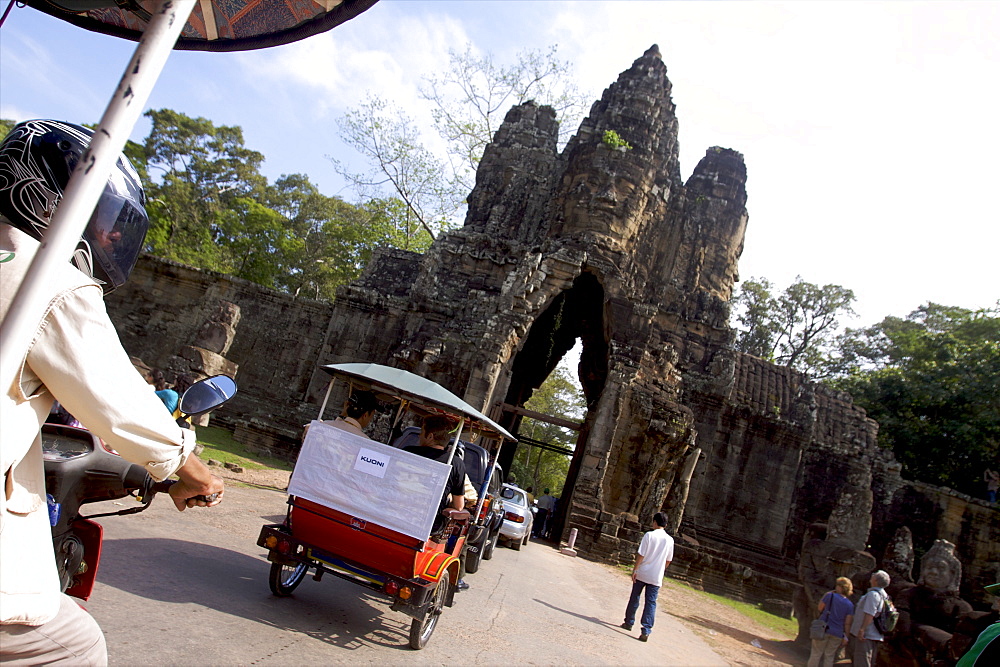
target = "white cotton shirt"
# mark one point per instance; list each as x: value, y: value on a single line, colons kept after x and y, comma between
x: 656, y: 549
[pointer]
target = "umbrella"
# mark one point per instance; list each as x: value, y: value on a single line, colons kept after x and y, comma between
x: 213, y: 25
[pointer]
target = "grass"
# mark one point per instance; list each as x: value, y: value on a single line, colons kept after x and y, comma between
x: 787, y: 627
x: 220, y: 445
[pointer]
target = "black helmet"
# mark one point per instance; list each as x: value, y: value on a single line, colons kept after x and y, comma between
x: 36, y: 160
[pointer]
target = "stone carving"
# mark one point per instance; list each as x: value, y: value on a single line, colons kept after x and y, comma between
x: 897, y: 560
x: 940, y: 569
x: 204, y: 357
x: 931, y: 611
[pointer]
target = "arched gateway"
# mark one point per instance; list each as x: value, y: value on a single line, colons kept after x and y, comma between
x: 595, y: 243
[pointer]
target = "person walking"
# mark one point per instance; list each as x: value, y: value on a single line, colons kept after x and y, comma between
x: 545, y: 506
x: 866, y: 635
x: 656, y: 551
x: 838, y: 612
x: 992, y: 479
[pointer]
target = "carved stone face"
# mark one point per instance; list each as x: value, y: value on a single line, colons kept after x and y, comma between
x: 602, y: 195
x: 940, y: 569
x: 936, y: 574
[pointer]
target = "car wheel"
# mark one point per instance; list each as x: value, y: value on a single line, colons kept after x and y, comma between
x: 515, y: 545
x: 526, y: 537
x: 285, y: 578
x: 422, y: 629
x: 474, y: 555
x: 491, y: 544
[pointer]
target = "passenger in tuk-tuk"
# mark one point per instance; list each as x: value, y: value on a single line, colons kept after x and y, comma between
x: 358, y: 411
x: 433, y: 444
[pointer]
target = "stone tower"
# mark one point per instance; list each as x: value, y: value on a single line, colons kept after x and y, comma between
x: 595, y: 243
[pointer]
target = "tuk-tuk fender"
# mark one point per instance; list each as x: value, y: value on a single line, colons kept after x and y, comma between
x: 432, y: 565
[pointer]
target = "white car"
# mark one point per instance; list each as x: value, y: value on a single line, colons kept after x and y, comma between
x: 517, y: 518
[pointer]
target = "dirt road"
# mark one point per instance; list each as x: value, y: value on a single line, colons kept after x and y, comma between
x: 191, y: 589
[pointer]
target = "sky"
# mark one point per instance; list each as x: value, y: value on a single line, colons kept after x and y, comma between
x: 868, y: 129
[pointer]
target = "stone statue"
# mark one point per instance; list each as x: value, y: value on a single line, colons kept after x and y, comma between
x: 897, y: 560
x: 930, y: 611
x: 940, y: 569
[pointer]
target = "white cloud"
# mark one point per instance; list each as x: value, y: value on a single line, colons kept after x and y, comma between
x: 388, y: 57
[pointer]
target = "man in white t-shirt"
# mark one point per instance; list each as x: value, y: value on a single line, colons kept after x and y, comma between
x: 655, y: 553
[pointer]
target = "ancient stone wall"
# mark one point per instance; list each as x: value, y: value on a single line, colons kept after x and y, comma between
x: 278, y: 343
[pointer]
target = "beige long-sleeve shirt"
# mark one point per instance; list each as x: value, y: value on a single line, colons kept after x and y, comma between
x: 77, y: 358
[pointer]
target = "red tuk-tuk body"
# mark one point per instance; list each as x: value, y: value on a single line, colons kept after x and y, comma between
x: 416, y: 567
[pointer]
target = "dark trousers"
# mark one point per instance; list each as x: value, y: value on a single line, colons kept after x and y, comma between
x: 648, y: 609
x: 538, y: 528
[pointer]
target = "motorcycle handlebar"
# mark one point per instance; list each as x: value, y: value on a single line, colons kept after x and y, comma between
x: 164, y: 487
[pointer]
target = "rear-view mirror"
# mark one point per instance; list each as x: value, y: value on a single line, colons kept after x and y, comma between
x: 207, y: 394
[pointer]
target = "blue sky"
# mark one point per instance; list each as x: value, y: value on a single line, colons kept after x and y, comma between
x: 868, y: 128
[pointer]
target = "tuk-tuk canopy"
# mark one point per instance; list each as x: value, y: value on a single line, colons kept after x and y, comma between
x: 410, y: 387
x: 213, y: 25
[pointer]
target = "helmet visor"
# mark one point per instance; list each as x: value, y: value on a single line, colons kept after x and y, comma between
x: 115, y: 235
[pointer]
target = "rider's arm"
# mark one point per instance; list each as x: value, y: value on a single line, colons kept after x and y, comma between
x: 78, y: 357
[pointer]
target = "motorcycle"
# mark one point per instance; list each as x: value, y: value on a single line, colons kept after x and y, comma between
x: 80, y: 469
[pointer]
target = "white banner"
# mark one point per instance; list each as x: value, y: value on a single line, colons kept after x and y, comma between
x: 368, y: 480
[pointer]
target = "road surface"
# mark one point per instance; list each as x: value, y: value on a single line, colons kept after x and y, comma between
x: 191, y: 589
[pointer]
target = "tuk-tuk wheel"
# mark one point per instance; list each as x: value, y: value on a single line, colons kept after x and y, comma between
x: 285, y: 578
x: 422, y: 629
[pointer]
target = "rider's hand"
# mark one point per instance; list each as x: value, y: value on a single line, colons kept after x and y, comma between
x: 196, y: 480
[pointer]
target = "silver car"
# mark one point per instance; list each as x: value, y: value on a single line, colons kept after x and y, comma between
x: 517, y: 518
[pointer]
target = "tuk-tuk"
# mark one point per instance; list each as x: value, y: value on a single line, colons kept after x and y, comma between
x: 368, y: 512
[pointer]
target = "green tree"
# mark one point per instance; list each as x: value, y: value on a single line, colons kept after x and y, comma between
x: 468, y: 104
x: 558, y: 396
x: 932, y: 381
x: 210, y: 207
x: 390, y: 142
x: 796, y: 328
x: 202, y: 171
x: 6, y: 126
x: 471, y: 98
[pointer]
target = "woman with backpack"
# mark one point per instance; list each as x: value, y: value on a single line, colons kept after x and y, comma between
x: 836, y: 612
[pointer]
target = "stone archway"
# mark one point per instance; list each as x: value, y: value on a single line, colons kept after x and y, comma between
x: 575, y: 313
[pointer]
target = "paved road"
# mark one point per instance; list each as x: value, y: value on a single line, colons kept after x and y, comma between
x: 191, y: 589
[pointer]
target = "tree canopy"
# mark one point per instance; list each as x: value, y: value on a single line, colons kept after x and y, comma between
x: 558, y: 396
x: 932, y: 381
x: 796, y: 328
x: 210, y: 207
x: 468, y: 103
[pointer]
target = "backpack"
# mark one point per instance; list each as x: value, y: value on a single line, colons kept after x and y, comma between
x: 887, y: 617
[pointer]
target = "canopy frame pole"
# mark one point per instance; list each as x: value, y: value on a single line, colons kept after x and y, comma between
x: 458, y: 436
x: 326, y: 398
x: 87, y: 182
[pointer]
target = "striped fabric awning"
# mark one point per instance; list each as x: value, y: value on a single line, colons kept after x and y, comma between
x: 214, y: 25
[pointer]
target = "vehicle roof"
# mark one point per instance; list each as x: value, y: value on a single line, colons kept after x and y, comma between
x: 415, y: 389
